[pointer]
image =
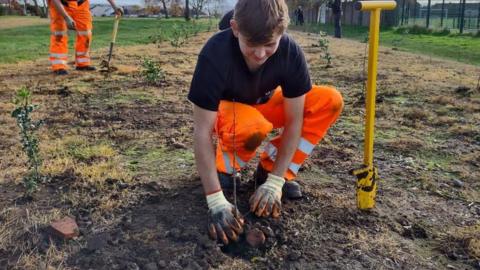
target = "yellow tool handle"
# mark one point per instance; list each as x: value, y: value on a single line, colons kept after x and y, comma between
x: 115, y: 28
x: 371, y: 5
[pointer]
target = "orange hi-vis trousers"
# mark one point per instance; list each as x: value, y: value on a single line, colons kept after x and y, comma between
x: 59, y: 36
x: 323, y: 105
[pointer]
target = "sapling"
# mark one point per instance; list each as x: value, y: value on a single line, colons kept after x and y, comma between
x: 152, y: 72
x: 323, y: 43
x: 178, y: 36
x: 28, y: 138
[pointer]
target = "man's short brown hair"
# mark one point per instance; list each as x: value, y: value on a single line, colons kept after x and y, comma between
x: 259, y: 20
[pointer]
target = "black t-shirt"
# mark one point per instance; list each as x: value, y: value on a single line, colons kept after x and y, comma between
x: 222, y: 74
x: 225, y: 21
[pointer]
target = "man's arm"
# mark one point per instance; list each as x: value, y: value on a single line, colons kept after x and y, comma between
x: 267, y: 198
x: 224, y: 220
x: 293, y: 108
x: 203, y: 147
x: 118, y: 10
x: 68, y: 20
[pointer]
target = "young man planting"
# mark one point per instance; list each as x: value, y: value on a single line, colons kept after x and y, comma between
x: 250, y: 79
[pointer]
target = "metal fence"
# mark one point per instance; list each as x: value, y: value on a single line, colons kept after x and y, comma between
x: 457, y: 15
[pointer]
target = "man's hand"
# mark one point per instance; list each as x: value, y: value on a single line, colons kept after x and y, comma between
x: 267, y: 198
x: 118, y: 10
x: 224, y: 220
x: 70, y: 23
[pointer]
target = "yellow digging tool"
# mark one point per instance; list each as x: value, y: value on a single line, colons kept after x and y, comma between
x: 367, y: 175
x: 106, y: 64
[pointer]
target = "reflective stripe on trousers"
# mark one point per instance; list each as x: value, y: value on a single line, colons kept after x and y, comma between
x: 323, y: 105
x: 59, y: 33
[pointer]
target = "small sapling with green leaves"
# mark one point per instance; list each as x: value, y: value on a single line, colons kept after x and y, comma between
x: 323, y: 44
x: 152, y: 72
x: 28, y: 138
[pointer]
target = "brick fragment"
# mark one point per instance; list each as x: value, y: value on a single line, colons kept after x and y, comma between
x: 65, y: 228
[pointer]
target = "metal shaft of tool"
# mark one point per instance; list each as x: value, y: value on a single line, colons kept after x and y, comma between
x: 235, y: 176
x: 375, y: 7
x: 114, y: 37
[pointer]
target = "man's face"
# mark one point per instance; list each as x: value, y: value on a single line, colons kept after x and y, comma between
x: 256, y: 55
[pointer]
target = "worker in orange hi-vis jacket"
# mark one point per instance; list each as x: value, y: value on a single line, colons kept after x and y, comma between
x: 73, y: 15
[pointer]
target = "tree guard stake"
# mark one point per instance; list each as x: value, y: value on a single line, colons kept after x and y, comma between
x: 367, y: 175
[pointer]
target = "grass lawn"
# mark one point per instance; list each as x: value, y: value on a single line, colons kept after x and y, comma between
x: 464, y: 49
x: 31, y: 42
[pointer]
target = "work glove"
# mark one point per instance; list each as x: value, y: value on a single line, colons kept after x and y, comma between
x: 118, y: 11
x: 267, y: 198
x: 224, y: 220
x: 70, y: 23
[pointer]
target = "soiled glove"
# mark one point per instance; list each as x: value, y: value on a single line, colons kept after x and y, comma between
x: 224, y: 220
x: 267, y: 198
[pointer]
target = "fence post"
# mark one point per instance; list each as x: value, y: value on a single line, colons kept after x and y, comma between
x: 441, y: 16
x: 462, y: 17
x: 478, y: 18
x: 428, y: 13
x: 403, y: 12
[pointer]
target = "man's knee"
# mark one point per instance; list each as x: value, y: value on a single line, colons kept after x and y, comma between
x: 325, y: 98
x: 248, y: 129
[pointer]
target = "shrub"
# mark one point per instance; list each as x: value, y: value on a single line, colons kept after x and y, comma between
x: 442, y: 32
x: 28, y: 137
x: 323, y: 43
x: 414, y: 30
x: 179, y: 36
x: 152, y: 72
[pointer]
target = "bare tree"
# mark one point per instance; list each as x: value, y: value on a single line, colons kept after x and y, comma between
x: 165, y: 9
x: 45, y: 9
x: 213, y: 7
x: 38, y: 10
x: 152, y: 7
x: 198, y: 5
x: 187, y: 11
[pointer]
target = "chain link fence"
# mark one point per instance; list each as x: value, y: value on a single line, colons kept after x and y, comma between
x: 454, y: 15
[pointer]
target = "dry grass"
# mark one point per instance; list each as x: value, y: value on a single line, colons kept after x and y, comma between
x: 405, y: 144
x: 462, y: 242
x: 445, y: 121
x: 20, y: 233
x: 13, y: 22
x: 93, y: 162
x: 417, y: 114
x: 443, y: 100
x: 464, y: 130
x: 386, y: 243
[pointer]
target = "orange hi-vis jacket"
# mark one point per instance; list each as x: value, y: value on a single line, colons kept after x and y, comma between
x: 323, y: 105
x: 80, y: 13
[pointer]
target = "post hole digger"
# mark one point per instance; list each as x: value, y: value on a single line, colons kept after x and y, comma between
x: 367, y: 175
x: 106, y: 64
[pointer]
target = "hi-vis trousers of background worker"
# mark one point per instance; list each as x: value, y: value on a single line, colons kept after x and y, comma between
x: 80, y: 13
x: 323, y: 105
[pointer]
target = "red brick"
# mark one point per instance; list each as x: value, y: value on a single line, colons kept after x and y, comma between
x: 66, y: 228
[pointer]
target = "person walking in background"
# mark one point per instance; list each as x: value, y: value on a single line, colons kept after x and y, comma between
x: 336, y: 6
x: 73, y: 15
x: 298, y: 16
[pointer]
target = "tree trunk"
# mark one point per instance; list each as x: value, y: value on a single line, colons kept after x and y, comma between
x: 187, y: 11
x: 44, y: 9
x: 428, y: 14
x: 165, y: 9
x: 37, y: 9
